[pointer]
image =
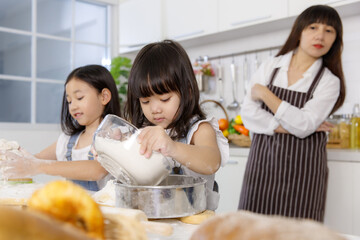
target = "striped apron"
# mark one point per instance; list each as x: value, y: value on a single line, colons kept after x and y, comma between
x: 286, y: 175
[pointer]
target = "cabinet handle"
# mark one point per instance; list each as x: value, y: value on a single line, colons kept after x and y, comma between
x: 188, y: 34
x: 250, y: 20
x: 138, y: 45
x: 232, y: 162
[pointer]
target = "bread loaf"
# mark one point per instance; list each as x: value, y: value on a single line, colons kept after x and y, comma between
x: 244, y: 225
x: 26, y: 224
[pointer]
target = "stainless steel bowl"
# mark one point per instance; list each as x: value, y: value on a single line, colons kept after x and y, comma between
x: 176, y: 196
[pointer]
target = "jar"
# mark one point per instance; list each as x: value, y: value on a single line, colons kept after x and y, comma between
x: 334, y: 136
x: 355, y: 128
x: 344, y: 130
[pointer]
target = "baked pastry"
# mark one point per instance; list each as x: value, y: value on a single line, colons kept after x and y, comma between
x: 244, y: 225
x: 26, y: 224
x: 70, y: 203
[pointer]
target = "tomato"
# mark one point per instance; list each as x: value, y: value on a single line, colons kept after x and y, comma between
x: 223, y: 124
x: 238, y: 120
x: 241, y: 129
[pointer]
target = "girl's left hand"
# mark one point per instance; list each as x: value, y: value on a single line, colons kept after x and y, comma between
x: 154, y: 138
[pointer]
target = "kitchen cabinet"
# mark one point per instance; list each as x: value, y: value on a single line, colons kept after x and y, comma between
x: 140, y: 22
x: 235, y: 13
x: 189, y: 18
x: 296, y: 6
x: 342, y: 212
x: 229, y: 179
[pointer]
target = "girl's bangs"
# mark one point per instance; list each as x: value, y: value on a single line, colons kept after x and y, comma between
x: 155, y: 80
x: 325, y: 17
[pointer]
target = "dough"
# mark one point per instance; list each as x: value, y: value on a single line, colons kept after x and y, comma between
x: 244, y: 225
x: 198, y: 218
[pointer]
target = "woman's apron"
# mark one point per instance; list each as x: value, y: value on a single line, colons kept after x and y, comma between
x: 286, y: 175
x: 89, y: 185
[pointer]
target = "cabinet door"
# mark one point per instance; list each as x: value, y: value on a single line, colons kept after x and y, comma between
x: 189, y: 18
x: 238, y: 13
x: 339, y: 200
x: 229, y: 179
x: 139, y: 23
x: 296, y: 6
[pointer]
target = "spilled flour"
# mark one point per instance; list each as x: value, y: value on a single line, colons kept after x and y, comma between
x: 123, y: 160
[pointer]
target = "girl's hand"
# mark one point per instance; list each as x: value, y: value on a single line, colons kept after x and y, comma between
x: 325, y: 127
x: 257, y: 91
x: 19, y: 165
x: 154, y: 138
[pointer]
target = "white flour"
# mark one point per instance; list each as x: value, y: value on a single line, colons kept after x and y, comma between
x: 123, y: 160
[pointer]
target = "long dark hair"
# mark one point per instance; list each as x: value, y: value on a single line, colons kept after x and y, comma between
x: 99, y: 78
x: 160, y: 68
x: 332, y: 59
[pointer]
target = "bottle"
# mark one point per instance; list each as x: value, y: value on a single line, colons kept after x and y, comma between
x: 355, y: 128
x: 344, y: 130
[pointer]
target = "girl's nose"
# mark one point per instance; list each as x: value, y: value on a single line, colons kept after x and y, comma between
x: 320, y: 34
x: 155, y: 107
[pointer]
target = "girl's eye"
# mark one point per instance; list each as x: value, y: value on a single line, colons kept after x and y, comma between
x: 144, y: 102
x: 80, y: 98
x: 165, y: 100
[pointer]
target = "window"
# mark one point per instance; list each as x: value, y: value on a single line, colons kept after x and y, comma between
x: 41, y: 41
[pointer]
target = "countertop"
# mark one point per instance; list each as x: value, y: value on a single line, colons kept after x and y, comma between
x: 347, y: 155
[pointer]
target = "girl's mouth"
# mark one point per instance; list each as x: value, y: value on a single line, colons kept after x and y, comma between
x: 318, y: 46
x: 159, y: 120
x: 77, y: 115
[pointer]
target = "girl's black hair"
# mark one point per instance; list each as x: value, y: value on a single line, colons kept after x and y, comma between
x: 160, y: 68
x: 332, y: 59
x: 99, y: 78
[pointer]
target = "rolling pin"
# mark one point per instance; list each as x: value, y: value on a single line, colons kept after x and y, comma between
x: 159, y: 228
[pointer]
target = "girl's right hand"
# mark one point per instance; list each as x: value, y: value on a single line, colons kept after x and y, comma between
x: 325, y: 127
x: 155, y: 138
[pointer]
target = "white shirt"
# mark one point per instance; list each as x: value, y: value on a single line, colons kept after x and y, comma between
x: 76, y: 155
x: 299, y: 122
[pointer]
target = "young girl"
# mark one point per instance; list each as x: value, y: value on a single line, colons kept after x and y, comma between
x: 291, y: 96
x: 163, y: 98
x: 90, y: 93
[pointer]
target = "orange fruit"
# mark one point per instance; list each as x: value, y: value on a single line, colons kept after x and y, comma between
x: 223, y: 124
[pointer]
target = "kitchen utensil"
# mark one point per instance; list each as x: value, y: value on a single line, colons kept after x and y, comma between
x: 220, y: 84
x: 176, y: 196
x: 234, y: 105
x: 246, y: 79
x: 118, y: 152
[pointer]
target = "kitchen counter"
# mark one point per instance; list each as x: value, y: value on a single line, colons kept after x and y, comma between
x: 347, y: 155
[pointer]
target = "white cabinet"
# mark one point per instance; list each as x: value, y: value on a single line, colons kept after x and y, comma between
x: 189, y: 18
x: 296, y: 6
x: 139, y: 23
x: 239, y: 13
x: 339, y: 200
x: 229, y: 179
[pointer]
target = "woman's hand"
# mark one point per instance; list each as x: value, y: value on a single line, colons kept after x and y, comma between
x: 154, y: 138
x: 257, y: 92
x: 19, y: 165
x: 325, y: 127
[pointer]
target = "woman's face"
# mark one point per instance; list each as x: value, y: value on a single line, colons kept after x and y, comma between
x: 317, y: 39
x: 160, y: 110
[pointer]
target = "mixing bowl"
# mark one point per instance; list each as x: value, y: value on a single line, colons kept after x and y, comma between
x: 176, y: 196
x: 118, y: 152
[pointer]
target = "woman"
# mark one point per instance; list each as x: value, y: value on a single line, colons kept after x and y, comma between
x: 291, y: 96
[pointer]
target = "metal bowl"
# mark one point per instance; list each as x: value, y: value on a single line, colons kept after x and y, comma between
x: 176, y: 196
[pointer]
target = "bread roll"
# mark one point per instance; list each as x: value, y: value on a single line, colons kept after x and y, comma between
x: 244, y: 225
x: 26, y: 224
